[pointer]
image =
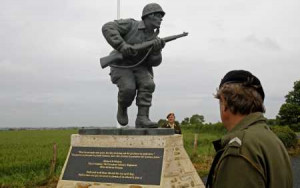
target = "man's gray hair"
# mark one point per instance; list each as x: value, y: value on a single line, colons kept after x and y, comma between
x: 240, y: 99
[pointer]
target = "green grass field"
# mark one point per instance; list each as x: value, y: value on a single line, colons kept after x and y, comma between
x: 201, y: 157
x: 25, y: 155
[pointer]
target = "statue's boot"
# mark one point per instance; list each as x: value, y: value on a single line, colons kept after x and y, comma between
x: 122, y: 116
x: 142, y: 119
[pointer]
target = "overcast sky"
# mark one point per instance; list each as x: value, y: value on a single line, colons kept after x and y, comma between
x: 49, y: 58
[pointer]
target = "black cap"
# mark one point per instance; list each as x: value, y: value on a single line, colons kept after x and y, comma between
x: 244, y: 77
x: 171, y: 113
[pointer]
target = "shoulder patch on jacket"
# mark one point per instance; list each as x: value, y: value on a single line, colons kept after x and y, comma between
x: 236, y: 142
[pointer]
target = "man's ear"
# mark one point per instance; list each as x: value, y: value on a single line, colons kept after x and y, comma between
x: 225, y: 107
x: 223, y: 104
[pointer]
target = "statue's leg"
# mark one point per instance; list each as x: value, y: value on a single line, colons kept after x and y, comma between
x: 145, y: 88
x: 125, y: 80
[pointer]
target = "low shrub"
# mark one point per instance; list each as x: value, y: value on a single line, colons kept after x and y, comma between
x: 286, y: 135
x: 205, y: 128
x: 295, y: 127
x: 212, y: 128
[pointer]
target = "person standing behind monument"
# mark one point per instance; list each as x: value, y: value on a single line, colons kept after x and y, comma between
x: 250, y: 154
x: 171, y: 123
x: 136, y: 81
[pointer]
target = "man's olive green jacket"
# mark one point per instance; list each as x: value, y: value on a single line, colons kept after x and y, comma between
x: 177, y: 128
x: 250, y: 155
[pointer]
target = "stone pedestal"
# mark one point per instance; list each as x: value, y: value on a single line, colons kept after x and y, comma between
x: 113, y: 156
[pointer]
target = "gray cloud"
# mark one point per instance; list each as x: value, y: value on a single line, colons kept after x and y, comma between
x: 49, y: 58
x: 265, y: 43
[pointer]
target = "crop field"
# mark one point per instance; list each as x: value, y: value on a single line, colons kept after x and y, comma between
x: 25, y: 155
x: 202, y: 155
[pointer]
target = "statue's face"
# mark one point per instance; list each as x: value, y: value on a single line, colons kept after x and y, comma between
x: 155, y: 19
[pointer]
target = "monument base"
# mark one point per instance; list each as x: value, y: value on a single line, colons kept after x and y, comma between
x: 128, y: 161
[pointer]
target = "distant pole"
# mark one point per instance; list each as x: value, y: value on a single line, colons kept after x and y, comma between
x: 118, y: 9
x: 195, y: 143
x: 53, y: 161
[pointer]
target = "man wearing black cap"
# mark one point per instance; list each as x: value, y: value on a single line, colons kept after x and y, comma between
x: 250, y: 154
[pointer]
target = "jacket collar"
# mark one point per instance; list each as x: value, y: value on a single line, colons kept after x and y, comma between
x: 246, y: 122
x: 141, y: 25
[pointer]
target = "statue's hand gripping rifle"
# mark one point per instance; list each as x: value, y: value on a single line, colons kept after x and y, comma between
x: 116, y: 57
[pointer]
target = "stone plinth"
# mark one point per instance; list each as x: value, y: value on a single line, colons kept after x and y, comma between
x: 177, y: 171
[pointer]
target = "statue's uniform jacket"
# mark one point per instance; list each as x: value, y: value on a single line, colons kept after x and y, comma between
x: 138, y: 80
x: 250, y: 155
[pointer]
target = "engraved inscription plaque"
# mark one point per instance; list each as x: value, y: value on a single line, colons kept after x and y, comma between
x: 115, y: 165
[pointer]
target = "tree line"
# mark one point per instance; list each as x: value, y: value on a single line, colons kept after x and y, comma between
x: 288, y: 115
x: 286, y: 123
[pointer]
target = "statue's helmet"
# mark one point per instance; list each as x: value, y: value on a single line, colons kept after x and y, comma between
x: 152, y: 8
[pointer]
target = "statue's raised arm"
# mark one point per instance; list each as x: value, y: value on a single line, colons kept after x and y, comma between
x: 117, y: 57
x: 137, y: 48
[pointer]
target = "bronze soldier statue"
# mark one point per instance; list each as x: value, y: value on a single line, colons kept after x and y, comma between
x: 133, y: 74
